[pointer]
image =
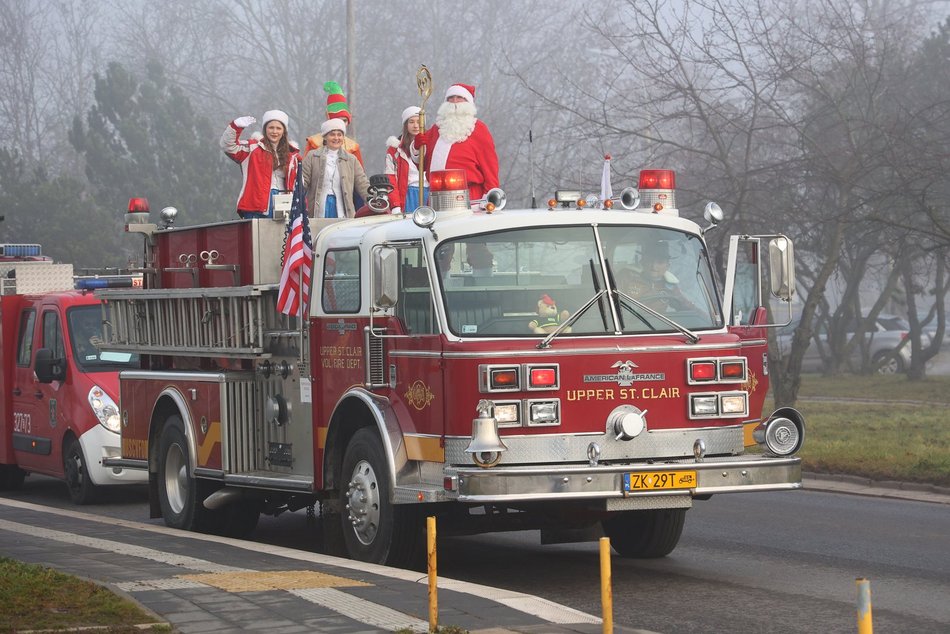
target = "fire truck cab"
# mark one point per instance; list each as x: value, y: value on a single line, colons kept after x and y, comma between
x: 561, y: 369
x: 58, y: 395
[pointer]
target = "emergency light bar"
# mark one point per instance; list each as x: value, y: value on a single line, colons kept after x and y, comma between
x: 20, y: 250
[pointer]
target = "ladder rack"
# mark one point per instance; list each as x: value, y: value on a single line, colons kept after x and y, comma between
x: 217, y: 322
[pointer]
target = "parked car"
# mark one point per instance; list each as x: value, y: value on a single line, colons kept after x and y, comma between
x: 888, y: 351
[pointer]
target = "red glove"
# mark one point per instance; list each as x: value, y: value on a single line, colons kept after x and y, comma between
x: 421, y: 139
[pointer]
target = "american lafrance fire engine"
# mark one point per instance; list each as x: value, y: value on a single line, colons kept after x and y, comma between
x: 563, y: 369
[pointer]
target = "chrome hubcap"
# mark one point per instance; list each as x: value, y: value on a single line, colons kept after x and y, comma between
x: 176, y: 478
x: 362, y: 502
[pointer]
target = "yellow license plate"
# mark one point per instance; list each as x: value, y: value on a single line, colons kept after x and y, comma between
x: 659, y: 480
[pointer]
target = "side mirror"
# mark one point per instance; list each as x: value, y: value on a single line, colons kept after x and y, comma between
x: 47, y: 368
x: 385, y: 278
x: 782, y: 268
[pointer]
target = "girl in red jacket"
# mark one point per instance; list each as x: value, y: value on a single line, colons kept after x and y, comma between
x: 402, y: 171
x: 268, y: 164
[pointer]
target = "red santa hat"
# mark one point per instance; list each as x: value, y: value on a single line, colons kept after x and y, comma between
x: 410, y: 112
x: 275, y: 115
x: 330, y: 125
x: 546, y: 299
x: 464, y: 91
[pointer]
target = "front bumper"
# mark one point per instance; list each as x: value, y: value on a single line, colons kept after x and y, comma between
x: 733, y: 474
x: 99, y: 445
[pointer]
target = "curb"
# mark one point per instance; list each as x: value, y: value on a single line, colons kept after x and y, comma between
x: 858, y: 485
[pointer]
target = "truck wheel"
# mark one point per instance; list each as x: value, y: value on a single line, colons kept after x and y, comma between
x: 178, y: 492
x: 645, y: 534
x: 11, y: 477
x: 374, y: 529
x: 82, y: 490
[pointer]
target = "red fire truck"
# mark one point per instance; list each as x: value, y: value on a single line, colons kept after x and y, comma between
x: 564, y: 369
x: 58, y: 394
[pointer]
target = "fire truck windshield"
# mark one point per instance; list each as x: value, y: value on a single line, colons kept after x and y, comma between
x: 85, y: 329
x: 529, y: 281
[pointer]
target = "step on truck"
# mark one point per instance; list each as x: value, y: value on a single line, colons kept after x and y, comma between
x: 499, y: 369
x: 59, y: 392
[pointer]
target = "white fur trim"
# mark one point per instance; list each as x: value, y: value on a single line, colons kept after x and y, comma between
x: 392, y: 142
x: 275, y: 115
x: 455, y: 90
x: 333, y: 124
x: 411, y: 111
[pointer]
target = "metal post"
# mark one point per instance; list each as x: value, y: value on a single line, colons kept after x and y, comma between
x: 606, y: 593
x: 433, y: 586
x: 865, y: 626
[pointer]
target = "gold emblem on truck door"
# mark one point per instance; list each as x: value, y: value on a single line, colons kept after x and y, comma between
x: 419, y: 395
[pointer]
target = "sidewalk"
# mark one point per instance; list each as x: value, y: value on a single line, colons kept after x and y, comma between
x: 202, y: 583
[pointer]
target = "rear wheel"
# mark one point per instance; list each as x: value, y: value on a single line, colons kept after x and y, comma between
x: 645, y: 534
x: 82, y: 490
x: 180, y: 495
x: 374, y: 529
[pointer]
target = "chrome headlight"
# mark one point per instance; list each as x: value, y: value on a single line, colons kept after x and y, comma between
x: 104, y: 408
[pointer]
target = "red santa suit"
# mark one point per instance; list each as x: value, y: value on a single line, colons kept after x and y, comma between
x: 474, y: 153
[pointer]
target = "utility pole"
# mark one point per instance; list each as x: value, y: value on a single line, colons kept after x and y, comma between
x: 351, y: 60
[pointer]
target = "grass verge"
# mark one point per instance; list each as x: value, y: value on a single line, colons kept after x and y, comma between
x: 883, y: 440
x: 37, y: 598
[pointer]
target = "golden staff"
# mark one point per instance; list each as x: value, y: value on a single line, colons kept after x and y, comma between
x: 424, y: 82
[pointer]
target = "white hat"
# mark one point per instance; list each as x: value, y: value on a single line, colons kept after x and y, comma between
x: 410, y: 112
x: 275, y: 115
x: 464, y: 91
x: 332, y: 124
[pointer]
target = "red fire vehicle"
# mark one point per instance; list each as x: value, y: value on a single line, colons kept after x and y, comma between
x: 58, y: 396
x: 497, y: 368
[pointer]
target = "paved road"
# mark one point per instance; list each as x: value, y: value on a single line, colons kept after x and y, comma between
x: 783, y: 562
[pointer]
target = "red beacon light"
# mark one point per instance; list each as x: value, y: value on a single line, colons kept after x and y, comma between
x: 137, y: 213
x: 448, y: 190
x: 658, y: 190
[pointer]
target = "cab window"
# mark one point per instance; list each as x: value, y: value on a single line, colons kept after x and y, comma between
x: 415, y: 307
x: 341, y: 281
x: 25, y: 343
x: 53, y: 334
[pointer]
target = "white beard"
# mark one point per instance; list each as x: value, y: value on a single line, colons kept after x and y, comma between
x: 456, y: 121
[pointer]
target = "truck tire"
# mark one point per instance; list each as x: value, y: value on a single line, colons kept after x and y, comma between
x: 645, y: 534
x: 374, y: 529
x: 179, y: 494
x: 11, y: 477
x: 82, y: 490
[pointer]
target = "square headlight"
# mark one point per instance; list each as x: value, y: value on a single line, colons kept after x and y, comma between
x: 544, y: 413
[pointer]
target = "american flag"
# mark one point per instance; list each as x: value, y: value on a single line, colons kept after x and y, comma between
x: 298, y: 257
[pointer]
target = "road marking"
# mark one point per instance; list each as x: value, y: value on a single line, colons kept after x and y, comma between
x: 273, y: 580
x: 361, y: 610
x: 181, y: 561
x: 543, y: 609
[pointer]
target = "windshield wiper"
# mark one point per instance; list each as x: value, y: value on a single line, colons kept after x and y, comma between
x: 693, y: 337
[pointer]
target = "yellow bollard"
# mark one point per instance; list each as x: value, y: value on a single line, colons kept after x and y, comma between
x: 865, y: 626
x: 433, y: 586
x: 606, y: 594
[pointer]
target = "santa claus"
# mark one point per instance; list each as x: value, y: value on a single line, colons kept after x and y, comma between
x: 459, y: 140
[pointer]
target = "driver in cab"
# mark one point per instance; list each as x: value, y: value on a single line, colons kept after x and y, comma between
x: 654, y: 284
